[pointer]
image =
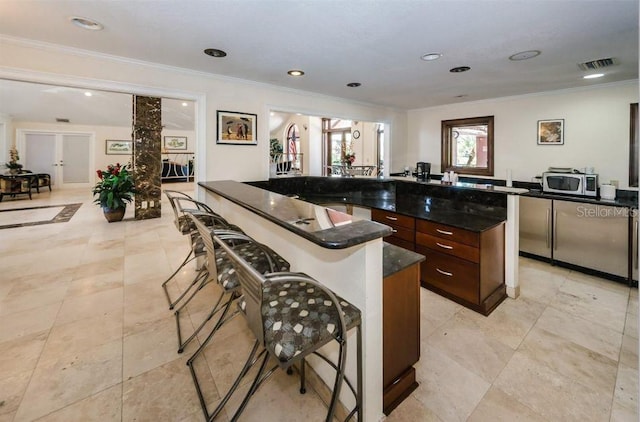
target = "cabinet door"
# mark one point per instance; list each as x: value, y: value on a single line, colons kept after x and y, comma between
x: 535, y: 226
x: 592, y: 236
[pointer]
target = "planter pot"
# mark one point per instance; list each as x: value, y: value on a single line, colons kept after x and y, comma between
x: 114, y: 215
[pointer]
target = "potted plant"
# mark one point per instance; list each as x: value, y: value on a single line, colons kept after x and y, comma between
x: 13, y: 165
x: 114, y: 190
x: 275, y: 152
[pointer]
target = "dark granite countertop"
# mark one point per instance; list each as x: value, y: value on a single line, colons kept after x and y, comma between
x: 628, y: 202
x: 325, y: 227
x: 396, y: 259
x: 473, y: 209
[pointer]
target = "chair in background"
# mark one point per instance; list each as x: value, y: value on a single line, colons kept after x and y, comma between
x: 15, y: 185
x: 361, y: 170
x: 293, y: 316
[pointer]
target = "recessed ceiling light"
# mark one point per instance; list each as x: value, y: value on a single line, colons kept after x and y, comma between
x: 524, y: 55
x: 459, y: 69
x: 88, y: 94
x: 214, y: 52
x: 295, y: 72
x: 184, y: 104
x: 353, y: 84
x: 431, y: 56
x: 593, y: 76
x: 85, y: 23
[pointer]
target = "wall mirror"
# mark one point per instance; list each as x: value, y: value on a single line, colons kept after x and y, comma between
x: 467, y: 145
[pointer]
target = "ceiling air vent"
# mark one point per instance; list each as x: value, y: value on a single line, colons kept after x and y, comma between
x: 597, y: 64
x: 61, y: 120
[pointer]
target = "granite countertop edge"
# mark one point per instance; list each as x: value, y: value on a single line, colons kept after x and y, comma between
x: 396, y: 259
x: 339, y: 241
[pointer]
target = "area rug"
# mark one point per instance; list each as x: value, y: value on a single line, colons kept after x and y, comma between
x: 35, y: 216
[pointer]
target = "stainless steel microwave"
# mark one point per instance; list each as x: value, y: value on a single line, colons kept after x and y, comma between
x: 570, y: 183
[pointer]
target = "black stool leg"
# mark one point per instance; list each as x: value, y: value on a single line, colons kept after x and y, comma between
x: 303, y: 388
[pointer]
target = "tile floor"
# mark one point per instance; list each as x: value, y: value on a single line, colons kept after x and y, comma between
x: 85, y: 335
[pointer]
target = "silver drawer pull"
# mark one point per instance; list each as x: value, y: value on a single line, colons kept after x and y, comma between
x: 444, y: 232
x: 391, y: 218
x: 444, y: 246
x: 394, y: 231
x: 444, y: 272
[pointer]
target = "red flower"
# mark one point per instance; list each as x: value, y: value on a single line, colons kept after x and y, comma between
x: 99, y: 174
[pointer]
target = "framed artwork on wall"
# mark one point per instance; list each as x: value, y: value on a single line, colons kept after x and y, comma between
x: 551, y: 132
x: 237, y: 128
x: 118, y: 147
x: 175, y: 142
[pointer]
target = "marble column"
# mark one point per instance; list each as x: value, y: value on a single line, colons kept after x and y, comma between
x: 147, y: 147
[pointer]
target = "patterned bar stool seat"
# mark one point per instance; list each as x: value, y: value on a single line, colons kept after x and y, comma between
x: 293, y: 316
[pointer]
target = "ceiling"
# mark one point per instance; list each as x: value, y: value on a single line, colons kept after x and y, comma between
x: 377, y: 43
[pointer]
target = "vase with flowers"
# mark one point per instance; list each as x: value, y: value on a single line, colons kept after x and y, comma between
x: 349, y: 158
x: 114, y: 190
x: 13, y: 165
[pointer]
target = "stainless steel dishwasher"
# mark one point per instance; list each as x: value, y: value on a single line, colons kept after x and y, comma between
x: 591, y: 236
x: 535, y: 226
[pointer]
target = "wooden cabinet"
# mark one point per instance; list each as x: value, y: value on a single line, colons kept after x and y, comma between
x: 401, y: 335
x: 465, y: 266
x: 403, y: 228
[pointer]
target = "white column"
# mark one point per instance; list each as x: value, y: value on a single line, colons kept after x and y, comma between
x: 512, y: 246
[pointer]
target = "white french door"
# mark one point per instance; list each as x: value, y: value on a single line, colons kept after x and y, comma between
x: 67, y: 157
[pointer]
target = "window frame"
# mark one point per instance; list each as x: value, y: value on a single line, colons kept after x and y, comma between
x: 447, y: 142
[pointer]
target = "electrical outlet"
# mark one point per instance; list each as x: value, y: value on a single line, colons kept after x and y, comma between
x: 143, y: 205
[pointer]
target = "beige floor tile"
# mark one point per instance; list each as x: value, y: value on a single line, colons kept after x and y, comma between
x: 552, y: 395
x: 106, y: 266
x: 571, y: 360
x: 89, y: 306
x: 626, y: 393
x: 435, y: 310
x: 586, y: 279
x: 22, y: 324
x: 412, y: 410
x: 461, y: 340
x: 153, y: 347
x: 105, y: 406
x: 497, y: 405
x: 510, y: 322
x: 144, y: 266
x: 58, y: 382
x: 165, y: 392
x: 619, y: 413
x: 446, y: 387
x: 22, y: 353
x: 593, y: 336
x: 631, y: 325
x: 540, y: 281
x: 26, y: 283
x: 629, y: 351
x: 7, y: 417
x: 12, y: 390
x: 51, y: 293
x: 83, y: 334
x: 593, y: 302
x: 632, y: 307
x: 95, y: 283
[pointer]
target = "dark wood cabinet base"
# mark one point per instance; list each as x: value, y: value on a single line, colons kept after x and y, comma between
x: 399, y: 390
x: 485, y: 307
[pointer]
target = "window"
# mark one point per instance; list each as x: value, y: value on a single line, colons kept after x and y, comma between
x: 293, y: 142
x: 467, y: 145
x: 336, y: 135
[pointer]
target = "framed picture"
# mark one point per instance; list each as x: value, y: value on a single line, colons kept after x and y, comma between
x: 551, y: 132
x: 118, y: 147
x: 237, y: 128
x: 175, y: 142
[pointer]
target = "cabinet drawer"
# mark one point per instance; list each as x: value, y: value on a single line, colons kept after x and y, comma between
x: 403, y: 233
x: 393, y: 219
x: 448, y: 232
x: 454, y: 275
x: 448, y: 247
x: 400, y: 242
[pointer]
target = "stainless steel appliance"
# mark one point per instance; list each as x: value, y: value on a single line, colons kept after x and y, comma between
x: 591, y: 236
x: 535, y: 226
x: 570, y: 183
x: 423, y: 170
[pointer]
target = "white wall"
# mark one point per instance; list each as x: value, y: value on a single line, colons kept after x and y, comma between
x: 596, y: 127
x: 42, y: 62
x: 7, y: 139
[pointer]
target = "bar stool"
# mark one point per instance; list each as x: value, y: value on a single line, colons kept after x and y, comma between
x: 185, y: 226
x: 220, y: 268
x: 293, y: 316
